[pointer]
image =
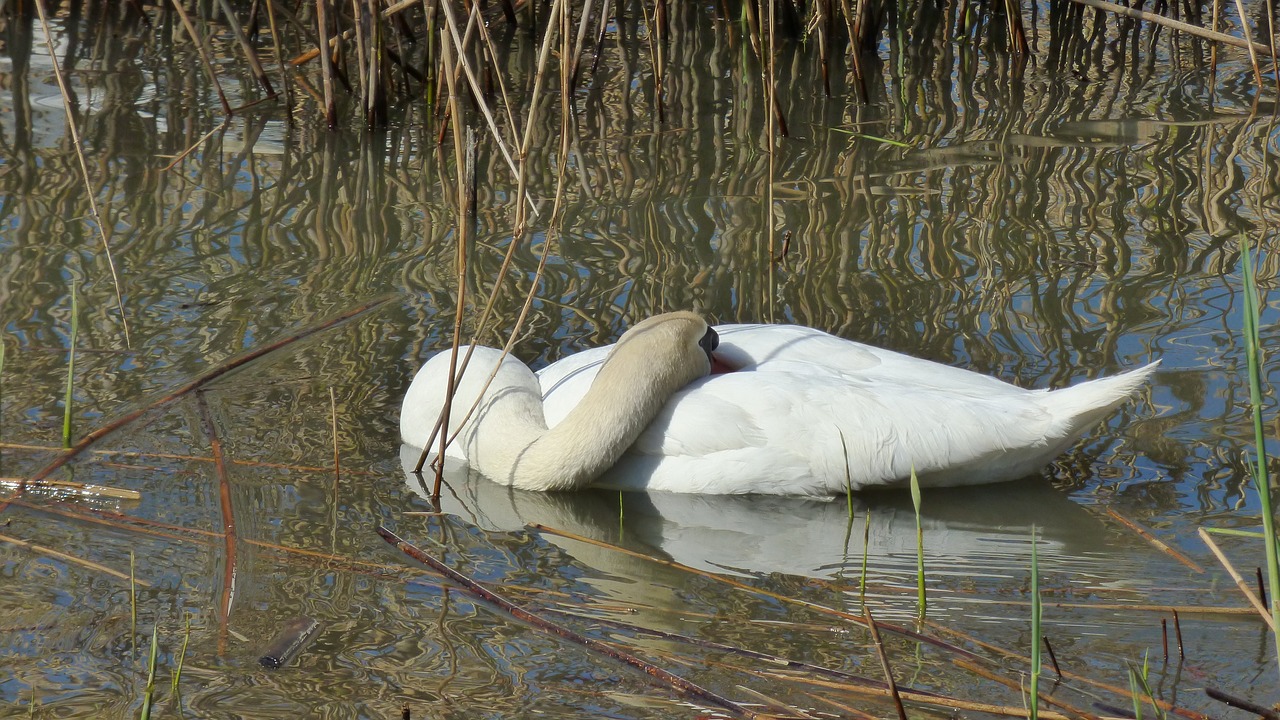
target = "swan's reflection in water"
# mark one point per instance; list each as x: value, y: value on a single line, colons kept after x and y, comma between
x: 977, y: 540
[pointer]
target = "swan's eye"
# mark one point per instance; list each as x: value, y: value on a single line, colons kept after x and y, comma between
x: 710, y: 341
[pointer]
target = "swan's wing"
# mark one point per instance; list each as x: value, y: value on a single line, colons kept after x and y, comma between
x: 804, y: 432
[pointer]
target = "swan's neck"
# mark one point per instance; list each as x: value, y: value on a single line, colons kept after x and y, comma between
x: 510, y: 443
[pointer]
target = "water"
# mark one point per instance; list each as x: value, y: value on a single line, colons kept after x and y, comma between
x: 1045, y: 224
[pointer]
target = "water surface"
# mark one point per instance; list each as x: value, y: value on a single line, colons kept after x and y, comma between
x: 1044, y: 223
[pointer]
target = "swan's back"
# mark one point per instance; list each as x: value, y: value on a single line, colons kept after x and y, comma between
x: 811, y: 414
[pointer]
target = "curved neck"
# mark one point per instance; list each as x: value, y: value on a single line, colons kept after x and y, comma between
x: 509, y: 441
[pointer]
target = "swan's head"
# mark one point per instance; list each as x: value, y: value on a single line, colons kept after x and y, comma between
x: 674, y: 348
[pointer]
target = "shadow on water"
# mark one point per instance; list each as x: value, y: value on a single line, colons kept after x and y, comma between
x: 1042, y: 222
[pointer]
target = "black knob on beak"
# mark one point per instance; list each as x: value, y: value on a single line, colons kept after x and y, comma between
x: 710, y: 341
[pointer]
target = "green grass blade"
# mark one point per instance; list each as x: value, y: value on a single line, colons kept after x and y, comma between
x: 1036, y: 632
x: 848, y: 478
x: 149, y: 693
x: 133, y: 598
x: 71, y: 371
x: 866, y: 541
x: 182, y: 656
x: 1253, y: 352
x: 915, y: 501
x: 1236, y: 533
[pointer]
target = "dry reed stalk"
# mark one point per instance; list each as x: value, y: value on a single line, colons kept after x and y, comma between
x: 460, y: 263
x: 476, y: 92
x: 845, y: 708
x: 197, y: 383
x: 1044, y: 697
x: 1023, y: 660
x: 89, y: 564
x: 333, y: 41
x: 882, y: 653
x: 192, y: 458
x: 917, y: 698
x: 228, y: 520
x: 363, y: 51
x: 675, y: 682
x: 182, y: 155
x: 780, y: 661
x: 1176, y: 25
x: 279, y: 56
x: 81, y: 488
x: 124, y: 523
x: 84, y: 166
x: 1253, y: 54
x: 326, y: 64
x: 204, y: 55
x: 521, y: 220
x: 1146, y: 535
x: 250, y: 55
x: 1240, y: 583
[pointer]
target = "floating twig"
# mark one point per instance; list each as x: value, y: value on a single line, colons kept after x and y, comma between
x: 1260, y: 710
x: 228, y: 520
x: 1052, y: 657
x: 80, y: 488
x: 679, y: 684
x: 70, y: 558
x: 293, y: 637
x: 1240, y: 583
x: 197, y: 383
x: 1159, y: 545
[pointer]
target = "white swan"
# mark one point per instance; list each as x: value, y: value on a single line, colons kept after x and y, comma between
x: 803, y: 413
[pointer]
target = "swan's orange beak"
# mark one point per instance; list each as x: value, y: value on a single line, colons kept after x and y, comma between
x: 719, y: 366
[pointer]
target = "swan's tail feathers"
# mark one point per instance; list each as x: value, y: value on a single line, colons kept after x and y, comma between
x: 1081, y: 406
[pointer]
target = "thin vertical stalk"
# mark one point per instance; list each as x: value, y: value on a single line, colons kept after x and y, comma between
x: 71, y: 370
x: 182, y: 655
x: 326, y: 64
x: 1261, y: 479
x: 84, y: 167
x: 460, y: 252
x: 915, y: 502
x: 1253, y: 53
x: 1036, y: 608
x: 204, y: 55
x: 149, y: 694
x: 250, y: 55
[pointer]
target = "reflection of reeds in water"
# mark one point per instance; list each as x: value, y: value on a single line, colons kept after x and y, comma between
x: 1001, y: 238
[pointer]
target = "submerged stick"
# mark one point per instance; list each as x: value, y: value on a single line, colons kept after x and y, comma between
x: 195, y: 384
x: 70, y: 558
x: 1159, y: 545
x: 681, y: 685
x: 228, y: 520
x: 884, y: 663
x: 1259, y: 710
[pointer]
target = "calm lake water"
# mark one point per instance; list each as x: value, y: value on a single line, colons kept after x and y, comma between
x: 1044, y: 223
